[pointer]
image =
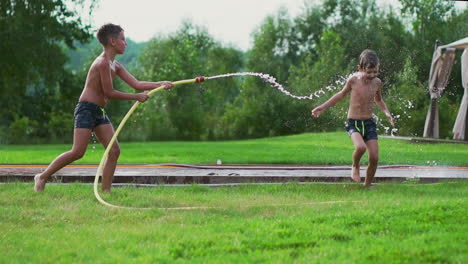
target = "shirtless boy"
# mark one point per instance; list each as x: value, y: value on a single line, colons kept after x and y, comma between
x: 365, y: 89
x: 90, y: 115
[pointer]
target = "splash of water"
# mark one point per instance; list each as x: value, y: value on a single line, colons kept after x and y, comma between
x: 272, y: 81
x: 94, y: 142
x: 340, y: 82
x: 380, y: 124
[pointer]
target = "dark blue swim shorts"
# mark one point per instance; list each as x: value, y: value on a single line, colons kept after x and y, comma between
x: 366, y: 128
x: 90, y: 115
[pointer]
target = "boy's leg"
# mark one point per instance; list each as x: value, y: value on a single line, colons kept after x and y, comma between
x: 104, y: 134
x: 359, y: 150
x: 81, y: 138
x: 373, y: 151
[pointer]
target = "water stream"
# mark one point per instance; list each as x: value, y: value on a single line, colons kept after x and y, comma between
x: 338, y: 84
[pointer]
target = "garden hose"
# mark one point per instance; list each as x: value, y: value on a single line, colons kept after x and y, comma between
x: 114, y: 138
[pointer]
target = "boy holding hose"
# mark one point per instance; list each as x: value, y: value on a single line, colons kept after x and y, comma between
x: 90, y: 115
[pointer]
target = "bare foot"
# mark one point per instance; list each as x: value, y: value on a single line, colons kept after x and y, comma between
x: 39, y: 184
x: 355, y: 176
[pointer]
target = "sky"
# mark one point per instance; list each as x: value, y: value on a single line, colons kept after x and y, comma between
x: 228, y: 21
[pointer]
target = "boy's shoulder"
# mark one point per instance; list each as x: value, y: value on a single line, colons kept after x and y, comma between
x: 353, y: 77
x: 103, y: 62
x: 357, y: 77
x: 377, y: 81
x: 98, y: 62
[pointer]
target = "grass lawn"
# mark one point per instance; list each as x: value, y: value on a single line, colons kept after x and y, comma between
x: 292, y: 223
x: 311, y: 148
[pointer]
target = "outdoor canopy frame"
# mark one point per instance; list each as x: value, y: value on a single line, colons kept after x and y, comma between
x: 441, y: 66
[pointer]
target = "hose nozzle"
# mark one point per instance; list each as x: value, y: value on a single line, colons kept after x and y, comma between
x: 199, y: 79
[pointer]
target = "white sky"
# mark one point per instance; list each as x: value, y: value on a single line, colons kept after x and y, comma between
x: 228, y: 21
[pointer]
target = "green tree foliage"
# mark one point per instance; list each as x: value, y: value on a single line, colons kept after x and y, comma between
x: 428, y: 20
x: 323, y: 77
x: 261, y: 110
x: 308, y: 28
x: 435, y: 21
x: 31, y: 36
x: 31, y: 68
x: 190, y: 112
x: 408, y: 101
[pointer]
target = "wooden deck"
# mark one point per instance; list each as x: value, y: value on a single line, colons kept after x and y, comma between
x: 224, y: 174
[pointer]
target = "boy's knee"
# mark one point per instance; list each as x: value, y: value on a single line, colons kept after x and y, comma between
x: 373, y: 159
x: 78, y: 154
x: 114, y: 152
x: 360, y: 148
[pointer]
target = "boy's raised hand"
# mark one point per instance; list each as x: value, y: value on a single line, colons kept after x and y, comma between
x: 390, y: 119
x: 317, y: 111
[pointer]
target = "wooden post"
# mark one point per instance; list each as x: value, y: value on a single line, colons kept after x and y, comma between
x: 432, y: 117
x: 433, y: 114
x: 466, y: 126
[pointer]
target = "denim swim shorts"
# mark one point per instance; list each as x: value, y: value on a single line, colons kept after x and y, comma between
x: 366, y: 128
x: 90, y: 115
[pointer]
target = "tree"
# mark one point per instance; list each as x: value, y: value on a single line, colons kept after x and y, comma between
x: 32, y: 57
x: 428, y: 20
x: 407, y: 101
x: 187, y: 112
x: 308, y: 27
x: 31, y: 35
x: 260, y: 110
x: 322, y: 77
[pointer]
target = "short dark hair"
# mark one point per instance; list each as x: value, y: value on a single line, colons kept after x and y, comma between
x: 108, y: 31
x: 368, y: 59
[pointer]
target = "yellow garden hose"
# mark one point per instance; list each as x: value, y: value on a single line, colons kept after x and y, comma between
x: 116, y: 134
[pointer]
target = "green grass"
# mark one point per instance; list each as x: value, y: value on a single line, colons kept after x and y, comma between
x: 312, y: 149
x: 292, y: 223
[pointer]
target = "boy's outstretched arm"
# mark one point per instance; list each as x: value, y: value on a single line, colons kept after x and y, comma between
x: 108, y: 88
x: 139, y: 85
x: 381, y: 104
x: 316, y: 112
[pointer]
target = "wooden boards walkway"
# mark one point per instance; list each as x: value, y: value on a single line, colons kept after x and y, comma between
x: 228, y: 174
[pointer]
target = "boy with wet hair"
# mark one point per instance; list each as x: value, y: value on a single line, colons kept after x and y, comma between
x: 90, y: 115
x: 365, y: 89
